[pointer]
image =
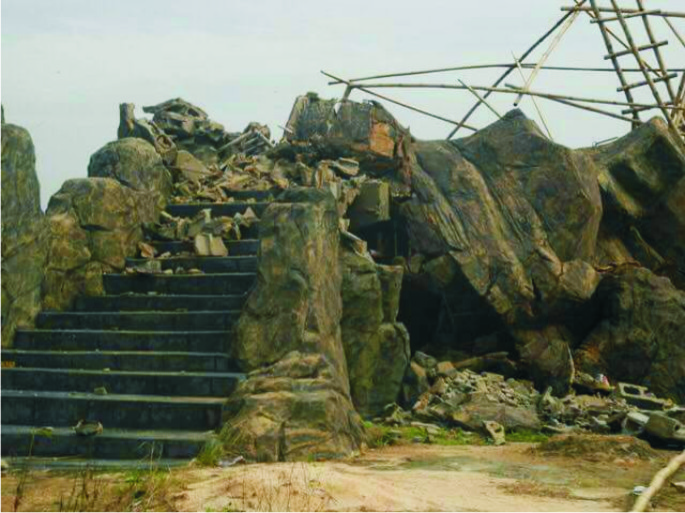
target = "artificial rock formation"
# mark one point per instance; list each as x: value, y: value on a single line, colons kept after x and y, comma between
x: 23, y: 232
x: 94, y: 224
x: 136, y: 164
x: 641, y: 337
x: 376, y: 346
x: 296, y: 403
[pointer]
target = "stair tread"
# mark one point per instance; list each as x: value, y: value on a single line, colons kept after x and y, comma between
x: 140, y: 312
x: 135, y: 398
x: 124, y: 373
x: 118, y: 433
x: 129, y: 332
x: 78, y: 352
x: 184, y: 276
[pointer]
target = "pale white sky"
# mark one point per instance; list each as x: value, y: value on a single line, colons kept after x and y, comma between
x: 67, y: 64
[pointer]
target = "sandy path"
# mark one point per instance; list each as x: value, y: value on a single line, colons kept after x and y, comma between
x: 390, y: 481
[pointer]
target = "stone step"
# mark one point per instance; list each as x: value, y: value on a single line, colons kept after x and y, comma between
x: 267, y: 195
x: 65, y: 409
x: 231, y: 264
x: 109, y: 340
x: 217, y: 209
x: 242, y: 247
x: 111, y: 444
x: 223, y: 283
x: 135, y: 302
x: 246, y: 232
x: 138, y: 321
x: 171, y: 361
x: 205, y: 384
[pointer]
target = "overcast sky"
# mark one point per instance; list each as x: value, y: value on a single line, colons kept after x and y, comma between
x: 67, y: 64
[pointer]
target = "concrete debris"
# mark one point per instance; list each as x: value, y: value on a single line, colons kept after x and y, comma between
x: 206, y: 244
x: 447, y: 394
x: 495, y: 431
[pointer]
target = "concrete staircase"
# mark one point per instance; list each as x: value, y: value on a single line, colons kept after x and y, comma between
x: 157, y: 344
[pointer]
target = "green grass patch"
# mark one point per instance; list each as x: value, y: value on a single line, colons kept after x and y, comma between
x: 379, y: 435
x: 526, y: 435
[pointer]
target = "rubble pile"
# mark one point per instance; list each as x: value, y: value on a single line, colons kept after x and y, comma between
x: 437, y: 393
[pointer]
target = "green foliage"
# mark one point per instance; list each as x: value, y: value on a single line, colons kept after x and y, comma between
x: 378, y: 435
x: 526, y: 435
x: 211, y: 453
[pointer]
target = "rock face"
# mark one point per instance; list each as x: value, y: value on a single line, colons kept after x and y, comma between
x: 136, y: 164
x: 643, y: 188
x: 296, y: 403
x: 376, y: 346
x: 94, y: 224
x: 641, y: 338
x: 23, y: 232
x: 500, y: 217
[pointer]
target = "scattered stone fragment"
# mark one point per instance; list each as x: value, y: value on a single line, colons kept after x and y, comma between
x: 88, y: 428
x: 495, y: 431
x: 208, y: 245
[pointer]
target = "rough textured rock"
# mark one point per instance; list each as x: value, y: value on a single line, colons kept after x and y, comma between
x: 295, y: 308
x: 641, y: 338
x: 23, y: 232
x: 498, y: 216
x: 643, y: 188
x: 129, y: 126
x: 134, y: 163
x: 363, y: 131
x: 294, y: 410
x: 376, y: 347
x: 94, y: 224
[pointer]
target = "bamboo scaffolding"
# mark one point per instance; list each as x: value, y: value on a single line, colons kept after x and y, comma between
x: 657, y: 51
x: 480, y: 98
x: 535, y: 102
x: 512, y: 68
x: 665, y: 14
x: 675, y: 32
x: 509, y: 91
x: 632, y: 15
x: 396, y: 102
x: 614, y: 60
x: 493, y: 66
x: 557, y: 39
x: 648, y: 77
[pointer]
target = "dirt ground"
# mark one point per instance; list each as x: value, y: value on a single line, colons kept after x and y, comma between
x: 514, y: 477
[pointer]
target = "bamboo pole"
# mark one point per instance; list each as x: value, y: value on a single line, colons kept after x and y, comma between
x: 614, y: 60
x: 557, y: 39
x: 648, y: 77
x: 511, y: 68
x: 396, y: 102
x: 509, y: 91
x: 671, y: 14
x: 677, y: 34
x: 493, y: 66
x: 535, y: 102
x: 658, y: 481
x: 657, y: 51
x: 475, y: 93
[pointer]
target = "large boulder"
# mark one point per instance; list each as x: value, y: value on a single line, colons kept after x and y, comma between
x: 500, y: 217
x: 376, y: 347
x: 94, y: 224
x: 642, y: 180
x: 135, y: 163
x: 290, y: 329
x: 641, y: 338
x: 23, y: 232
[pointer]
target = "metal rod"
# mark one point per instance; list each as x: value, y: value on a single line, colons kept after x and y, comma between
x: 401, y: 104
x: 648, y: 77
x: 511, y: 68
x: 670, y: 14
x: 493, y: 66
x: 535, y: 102
x: 614, y: 60
x: 557, y: 39
x: 501, y: 90
x: 657, y: 51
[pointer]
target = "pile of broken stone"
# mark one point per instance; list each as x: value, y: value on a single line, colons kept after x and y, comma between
x: 445, y: 394
x: 209, y: 165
